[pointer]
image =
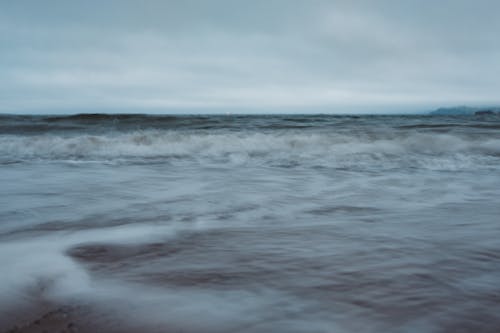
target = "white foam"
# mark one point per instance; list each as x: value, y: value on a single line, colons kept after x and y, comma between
x: 38, y: 269
x: 243, y: 147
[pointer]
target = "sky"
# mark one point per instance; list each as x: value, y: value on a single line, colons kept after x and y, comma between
x: 161, y: 56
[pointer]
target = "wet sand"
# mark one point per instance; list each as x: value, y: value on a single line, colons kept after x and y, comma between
x: 73, y: 319
x: 58, y: 320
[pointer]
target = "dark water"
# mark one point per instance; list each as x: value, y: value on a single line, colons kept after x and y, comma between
x: 254, y: 223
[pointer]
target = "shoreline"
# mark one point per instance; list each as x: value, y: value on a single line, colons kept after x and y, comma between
x: 55, y: 319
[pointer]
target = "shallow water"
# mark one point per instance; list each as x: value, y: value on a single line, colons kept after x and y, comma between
x: 254, y: 223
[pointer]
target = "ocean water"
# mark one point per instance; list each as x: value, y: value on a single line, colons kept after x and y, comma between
x: 252, y: 223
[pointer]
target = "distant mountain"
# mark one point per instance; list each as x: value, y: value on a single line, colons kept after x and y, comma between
x: 456, y: 110
x: 465, y: 110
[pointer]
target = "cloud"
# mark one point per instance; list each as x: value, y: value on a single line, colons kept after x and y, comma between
x: 164, y: 56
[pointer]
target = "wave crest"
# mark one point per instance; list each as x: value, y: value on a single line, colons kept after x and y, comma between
x: 302, y: 148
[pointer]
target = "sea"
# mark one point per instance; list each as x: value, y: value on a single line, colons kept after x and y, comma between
x: 250, y: 223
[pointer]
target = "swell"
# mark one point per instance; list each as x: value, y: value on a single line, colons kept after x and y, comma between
x: 492, y: 126
x: 98, y: 123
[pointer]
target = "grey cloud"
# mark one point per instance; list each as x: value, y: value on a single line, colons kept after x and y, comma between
x: 163, y: 56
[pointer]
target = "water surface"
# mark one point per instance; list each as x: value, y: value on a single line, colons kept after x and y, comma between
x: 253, y: 223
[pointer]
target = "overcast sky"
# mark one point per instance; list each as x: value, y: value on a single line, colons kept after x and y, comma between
x: 247, y: 56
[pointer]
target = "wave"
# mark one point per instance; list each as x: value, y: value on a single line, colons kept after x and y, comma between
x: 98, y: 123
x: 450, y: 126
x: 286, y: 148
x: 101, y: 123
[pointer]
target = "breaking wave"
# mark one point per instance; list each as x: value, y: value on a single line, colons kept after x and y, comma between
x: 328, y: 149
